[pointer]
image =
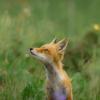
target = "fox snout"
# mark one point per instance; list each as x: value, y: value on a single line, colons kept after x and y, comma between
x: 31, y: 49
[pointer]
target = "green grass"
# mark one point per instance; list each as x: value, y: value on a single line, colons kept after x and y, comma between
x: 29, y: 23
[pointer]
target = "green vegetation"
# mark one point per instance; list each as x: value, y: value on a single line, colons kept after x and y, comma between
x: 29, y: 23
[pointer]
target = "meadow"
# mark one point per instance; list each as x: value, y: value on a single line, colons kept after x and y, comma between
x: 30, y: 23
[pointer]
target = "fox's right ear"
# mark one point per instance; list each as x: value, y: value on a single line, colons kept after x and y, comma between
x: 54, y: 40
x: 62, y: 45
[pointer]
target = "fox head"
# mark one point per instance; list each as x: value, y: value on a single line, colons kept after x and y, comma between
x: 52, y: 52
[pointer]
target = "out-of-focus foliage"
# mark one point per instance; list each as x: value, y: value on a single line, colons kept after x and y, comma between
x: 29, y: 23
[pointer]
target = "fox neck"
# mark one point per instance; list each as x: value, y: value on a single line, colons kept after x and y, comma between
x: 53, y: 71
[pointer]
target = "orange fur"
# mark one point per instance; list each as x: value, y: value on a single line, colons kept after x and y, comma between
x: 52, y: 55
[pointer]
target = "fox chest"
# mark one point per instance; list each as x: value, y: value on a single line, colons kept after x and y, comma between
x: 59, y: 94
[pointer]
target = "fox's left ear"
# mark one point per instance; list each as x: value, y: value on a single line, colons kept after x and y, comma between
x: 54, y: 40
x: 62, y: 45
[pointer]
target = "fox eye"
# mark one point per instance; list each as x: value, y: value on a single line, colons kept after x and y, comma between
x: 46, y: 50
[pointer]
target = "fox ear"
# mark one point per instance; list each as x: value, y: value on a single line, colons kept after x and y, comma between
x: 54, y: 40
x: 62, y: 45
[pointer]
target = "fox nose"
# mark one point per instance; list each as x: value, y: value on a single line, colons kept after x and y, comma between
x: 31, y: 49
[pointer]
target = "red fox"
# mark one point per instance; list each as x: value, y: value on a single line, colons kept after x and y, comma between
x: 58, y: 85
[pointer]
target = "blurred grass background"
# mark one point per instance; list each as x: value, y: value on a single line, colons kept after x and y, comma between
x: 29, y: 23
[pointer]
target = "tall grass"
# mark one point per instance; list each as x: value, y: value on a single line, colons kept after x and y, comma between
x: 29, y: 23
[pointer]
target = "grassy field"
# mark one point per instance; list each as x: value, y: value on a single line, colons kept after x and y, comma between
x: 29, y: 23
